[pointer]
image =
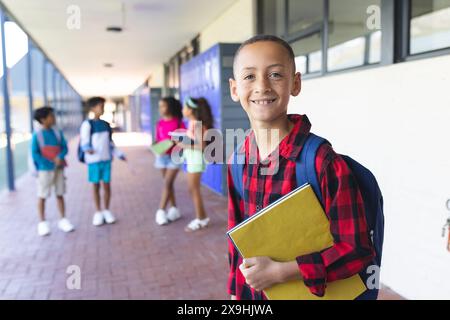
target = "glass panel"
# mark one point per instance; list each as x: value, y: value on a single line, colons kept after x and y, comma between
x: 301, y: 64
x: 375, y: 47
x: 3, y: 168
x: 63, y: 103
x: 308, y: 54
x: 303, y: 14
x: 272, y: 17
x: 57, y: 101
x: 351, y: 43
x: 346, y: 55
x: 430, y: 25
x: 16, y: 60
x: 49, y: 74
x: 37, y: 65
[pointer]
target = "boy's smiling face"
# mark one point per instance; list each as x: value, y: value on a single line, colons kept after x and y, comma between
x: 264, y: 80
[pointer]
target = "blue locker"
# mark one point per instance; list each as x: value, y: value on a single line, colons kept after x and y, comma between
x: 207, y: 76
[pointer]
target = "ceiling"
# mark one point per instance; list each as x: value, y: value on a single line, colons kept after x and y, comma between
x: 154, y: 30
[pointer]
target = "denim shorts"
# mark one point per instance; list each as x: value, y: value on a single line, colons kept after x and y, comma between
x: 165, y: 162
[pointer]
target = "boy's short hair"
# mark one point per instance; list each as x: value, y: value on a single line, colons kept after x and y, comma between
x: 95, y: 101
x: 42, y: 113
x: 270, y: 38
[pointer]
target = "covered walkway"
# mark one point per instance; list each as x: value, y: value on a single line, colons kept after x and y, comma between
x: 132, y: 259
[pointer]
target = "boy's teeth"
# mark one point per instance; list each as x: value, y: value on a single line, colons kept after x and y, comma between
x: 263, y: 101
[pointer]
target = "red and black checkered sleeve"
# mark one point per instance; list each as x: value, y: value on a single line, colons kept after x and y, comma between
x: 235, y: 216
x: 352, y: 250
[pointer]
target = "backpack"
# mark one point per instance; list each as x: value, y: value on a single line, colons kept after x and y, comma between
x: 368, y: 186
x: 32, y: 165
x: 81, y: 153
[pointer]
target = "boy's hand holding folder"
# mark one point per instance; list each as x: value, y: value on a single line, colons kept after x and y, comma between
x: 260, y: 272
x: 263, y: 272
x: 290, y: 227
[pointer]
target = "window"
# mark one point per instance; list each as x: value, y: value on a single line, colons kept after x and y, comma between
x: 375, y: 47
x: 289, y: 17
x: 429, y: 25
x: 351, y: 43
x: 3, y: 166
x: 172, y: 68
x: 16, y: 60
x: 308, y: 52
x: 64, y: 103
x: 57, y: 100
x: 303, y: 14
x: 302, y: 23
x: 271, y: 17
x: 37, y: 85
x: 49, y: 89
x: 21, y: 60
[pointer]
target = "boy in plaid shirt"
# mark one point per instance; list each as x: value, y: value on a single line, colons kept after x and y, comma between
x: 264, y: 80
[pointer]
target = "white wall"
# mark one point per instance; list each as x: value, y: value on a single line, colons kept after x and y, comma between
x: 236, y: 24
x: 396, y: 121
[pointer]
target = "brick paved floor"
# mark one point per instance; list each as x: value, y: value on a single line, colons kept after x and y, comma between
x: 132, y: 259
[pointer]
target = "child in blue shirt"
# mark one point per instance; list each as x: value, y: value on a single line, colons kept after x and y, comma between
x: 96, y: 142
x: 48, y: 149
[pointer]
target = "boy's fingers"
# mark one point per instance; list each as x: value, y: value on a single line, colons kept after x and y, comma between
x: 243, y: 268
x: 249, y: 262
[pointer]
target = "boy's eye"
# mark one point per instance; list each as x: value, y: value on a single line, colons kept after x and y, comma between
x: 275, y: 75
x: 249, y: 77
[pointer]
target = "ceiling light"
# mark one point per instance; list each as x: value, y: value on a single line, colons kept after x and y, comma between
x: 114, y: 29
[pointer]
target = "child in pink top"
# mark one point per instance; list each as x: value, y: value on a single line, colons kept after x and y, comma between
x: 165, y: 126
x: 171, y: 120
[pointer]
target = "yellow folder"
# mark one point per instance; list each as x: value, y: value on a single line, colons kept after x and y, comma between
x: 290, y: 227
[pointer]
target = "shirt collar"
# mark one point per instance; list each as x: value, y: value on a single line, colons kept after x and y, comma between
x: 291, y: 145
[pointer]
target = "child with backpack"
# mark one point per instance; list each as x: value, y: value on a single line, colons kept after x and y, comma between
x: 263, y: 170
x: 198, y: 112
x: 97, y: 150
x: 48, y: 150
x: 171, y: 120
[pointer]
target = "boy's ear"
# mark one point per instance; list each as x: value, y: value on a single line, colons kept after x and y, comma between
x: 297, y: 87
x: 233, y: 90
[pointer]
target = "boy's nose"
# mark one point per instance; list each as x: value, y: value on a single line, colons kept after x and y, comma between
x: 263, y: 86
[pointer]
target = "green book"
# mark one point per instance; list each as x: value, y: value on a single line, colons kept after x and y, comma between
x: 161, y: 147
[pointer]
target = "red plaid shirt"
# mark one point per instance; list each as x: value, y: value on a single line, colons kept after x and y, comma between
x: 352, y: 250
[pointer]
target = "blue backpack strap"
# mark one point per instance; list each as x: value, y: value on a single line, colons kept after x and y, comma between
x: 237, y: 170
x: 91, y: 124
x: 305, y: 169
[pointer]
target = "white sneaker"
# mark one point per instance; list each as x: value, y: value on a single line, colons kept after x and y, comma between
x: 43, y: 228
x: 161, y: 217
x: 65, y: 225
x: 98, y: 219
x: 108, y: 216
x: 173, y: 214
